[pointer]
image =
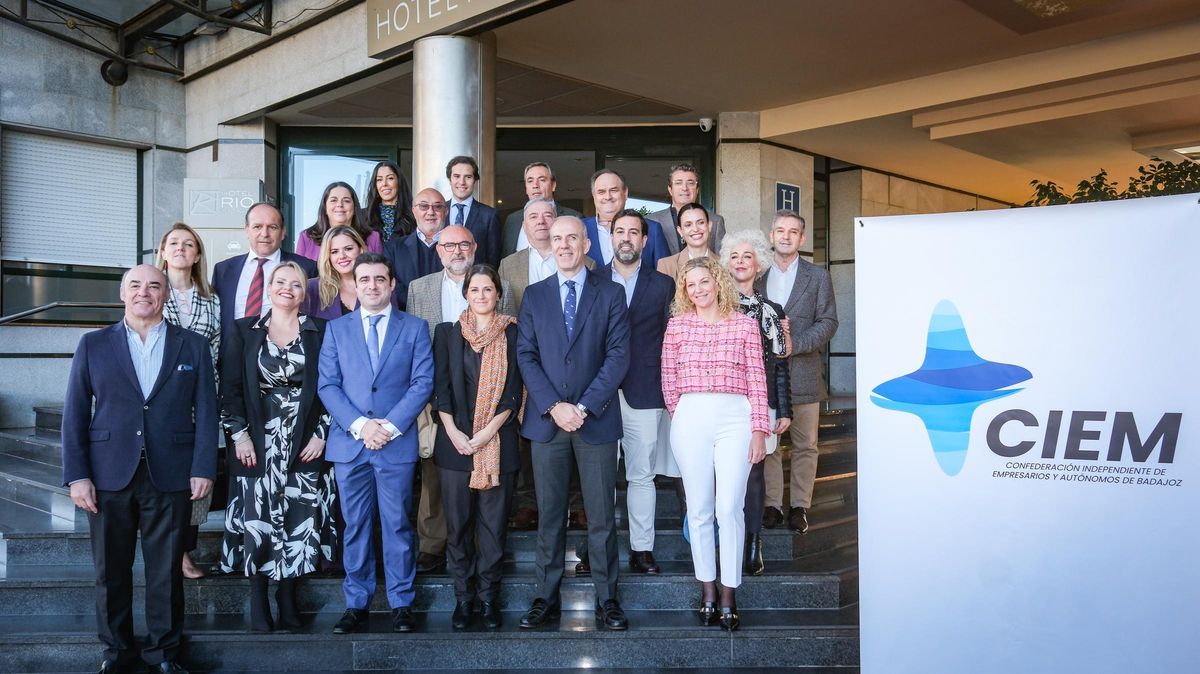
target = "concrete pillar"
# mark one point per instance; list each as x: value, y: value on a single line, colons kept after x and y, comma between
x: 454, y: 109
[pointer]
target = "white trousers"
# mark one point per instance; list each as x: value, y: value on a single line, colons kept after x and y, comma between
x: 710, y: 437
x: 638, y: 446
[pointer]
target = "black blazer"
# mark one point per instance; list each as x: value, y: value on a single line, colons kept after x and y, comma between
x: 451, y: 395
x: 240, y: 395
x: 484, y: 224
x: 648, y: 315
x: 406, y: 252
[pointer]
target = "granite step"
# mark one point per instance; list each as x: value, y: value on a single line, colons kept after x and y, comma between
x: 48, y: 417
x: 804, y: 640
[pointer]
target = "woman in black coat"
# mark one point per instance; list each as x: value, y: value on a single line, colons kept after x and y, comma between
x: 477, y: 395
x: 278, y: 523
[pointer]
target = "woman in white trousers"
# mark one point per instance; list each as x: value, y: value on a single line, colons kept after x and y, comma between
x: 715, y: 388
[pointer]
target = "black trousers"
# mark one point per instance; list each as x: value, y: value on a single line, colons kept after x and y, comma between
x: 756, y: 495
x: 476, y: 527
x: 161, y: 517
x: 527, y: 492
x: 598, y: 480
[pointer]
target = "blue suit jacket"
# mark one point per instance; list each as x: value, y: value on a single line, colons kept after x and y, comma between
x: 648, y: 314
x: 588, y: 368
x: 225, y: 281
x: 484, y: 223
x: 176, y: 424
x: 656, y: 243
x: 398, y: 392
x: 405, y: 252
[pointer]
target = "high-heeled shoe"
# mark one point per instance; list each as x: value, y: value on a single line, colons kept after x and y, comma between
x: 260, y: 606
x: 708, y: 613
x: 729, y: 618
x: 285, y: 599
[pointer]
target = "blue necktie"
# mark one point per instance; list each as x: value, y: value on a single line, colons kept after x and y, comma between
x: 569, y: 309
x: 458, y: 219
x: 373, y: 342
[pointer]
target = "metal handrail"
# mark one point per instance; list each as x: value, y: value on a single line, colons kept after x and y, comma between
x: 4, y: 320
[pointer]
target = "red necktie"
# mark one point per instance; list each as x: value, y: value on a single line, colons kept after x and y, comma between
x: 254, y: 297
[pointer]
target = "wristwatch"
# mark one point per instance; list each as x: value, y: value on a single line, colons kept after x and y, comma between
x: 582, y: 409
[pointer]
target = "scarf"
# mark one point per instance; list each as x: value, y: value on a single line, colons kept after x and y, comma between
x: 492, y: 344
x: 756, y: 307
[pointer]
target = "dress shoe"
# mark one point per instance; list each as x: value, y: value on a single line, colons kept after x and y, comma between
x: 403, y: 620
x: 351, y: 621
x: 428, y: 562
x: 609, y: 615
x: 539, y: 614
x: 490, y: 613
x: 772, y: 517
x: 583, y: 567
x: 462, y: 615
x: 643, y: 562
x: 708, y: 613
x: 798, y: 520
x: 525, y: 519
x: 577, y: 520
x: 729, y: 618
x: 109, y: 667
x: 168, y: 666
x: 752, y: 559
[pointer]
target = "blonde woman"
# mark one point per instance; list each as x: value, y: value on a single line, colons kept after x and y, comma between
x: 333, y: 294
x: 715, y: 388
x: 192, y: 305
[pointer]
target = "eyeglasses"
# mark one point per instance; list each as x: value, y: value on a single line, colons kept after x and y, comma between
x: 424, y: 206
x: 464, y: 246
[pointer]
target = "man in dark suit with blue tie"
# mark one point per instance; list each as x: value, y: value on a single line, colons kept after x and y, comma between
x: 609, y: 194
x: 376, y: 375
x: 465, y: 210
x: 239, y: 281
x: 573, y: 351
x: 134, y: 462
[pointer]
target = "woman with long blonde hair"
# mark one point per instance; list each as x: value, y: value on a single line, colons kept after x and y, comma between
x: 333, y: 294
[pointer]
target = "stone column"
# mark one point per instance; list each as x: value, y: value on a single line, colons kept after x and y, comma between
x: 454, y: 109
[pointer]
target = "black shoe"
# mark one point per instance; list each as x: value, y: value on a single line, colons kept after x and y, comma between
x: 729, y: 618
x: 753, y: 560
x: 403, y: 620
x: 168, y: 666
x: 428, y: 563
x: 610, y: 615
x: 584, y: 566
x: 643, y: 562
x: 539, y: 614
x: 285, y: 599
x: 260, y: 606
x: 708, y: 613
x: 798, y: 520
x: 772, y: 517
x: 109, y: 667
x: 490, y: 613
x: 462, y: 615
x: 351, y: 621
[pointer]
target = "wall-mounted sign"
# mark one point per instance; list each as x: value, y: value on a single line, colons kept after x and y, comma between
x: 787, y: 197
x: 393, y: 25
x: 219, y: 202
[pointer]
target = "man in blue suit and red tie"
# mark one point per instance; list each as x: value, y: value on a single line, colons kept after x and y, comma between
x: 573, y: 351
x: 376, y: 375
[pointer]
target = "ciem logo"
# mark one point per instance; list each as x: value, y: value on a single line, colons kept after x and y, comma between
x: 951, y: 383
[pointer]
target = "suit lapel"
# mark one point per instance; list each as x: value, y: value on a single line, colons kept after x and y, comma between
x: 171, y: 346
x: 120, y: 345
x: 254, y: 344
x: 585, y: 306
x: 360, y: 340
x: 803, y: 278
x: 389, y: 340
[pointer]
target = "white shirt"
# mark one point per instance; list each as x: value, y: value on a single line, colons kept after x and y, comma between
x: 467, y: 204
x: 522, y: 240
x: 541, y: 268
x: 453, y: 302
x: 605, y: 235
x: 629, y: 285
x: 356, y: 427
x: 247, y: 277
x: 562, y: 288
x: 780, y: 282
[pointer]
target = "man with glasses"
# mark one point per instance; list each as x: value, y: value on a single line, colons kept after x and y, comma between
x: 539, y: 184
x: 438, y: 298
x: 683, y: 184
x: 416, y: 255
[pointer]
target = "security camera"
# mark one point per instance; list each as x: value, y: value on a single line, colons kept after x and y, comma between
x: 706, y: 124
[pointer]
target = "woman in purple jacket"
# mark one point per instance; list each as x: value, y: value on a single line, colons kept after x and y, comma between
x: 332, y: 293
x: 339, y: 208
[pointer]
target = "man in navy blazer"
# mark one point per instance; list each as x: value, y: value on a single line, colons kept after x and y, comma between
x: 609, y: 194
x: 376, y: 375
x: 134, y: 462
x: 233, y: 278
x: 416, y: 255
x: 573, y: 351
x: 466, y: 210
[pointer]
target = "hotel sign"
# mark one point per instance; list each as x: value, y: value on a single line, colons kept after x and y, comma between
x: 393, y: 25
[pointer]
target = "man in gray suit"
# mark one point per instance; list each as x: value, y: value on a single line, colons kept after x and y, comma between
x: 438, y: 298
x: 683, y: 184
x: 805, y: 292
x: 539, y: 184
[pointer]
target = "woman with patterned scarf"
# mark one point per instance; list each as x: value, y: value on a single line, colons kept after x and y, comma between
x: 746, y: 255
x: 478, y: 397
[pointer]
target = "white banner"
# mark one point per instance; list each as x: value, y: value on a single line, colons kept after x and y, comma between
x: 1029, y: 486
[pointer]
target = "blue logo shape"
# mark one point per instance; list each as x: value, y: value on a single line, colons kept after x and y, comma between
x: 951, y: 383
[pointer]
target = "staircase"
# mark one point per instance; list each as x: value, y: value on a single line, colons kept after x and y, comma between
x: 801, y: 613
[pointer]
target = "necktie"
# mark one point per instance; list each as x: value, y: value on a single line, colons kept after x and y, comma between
x: 255, y: 295
x: 458, y: 218
x: 373, y: 342
x: 569, y: 309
